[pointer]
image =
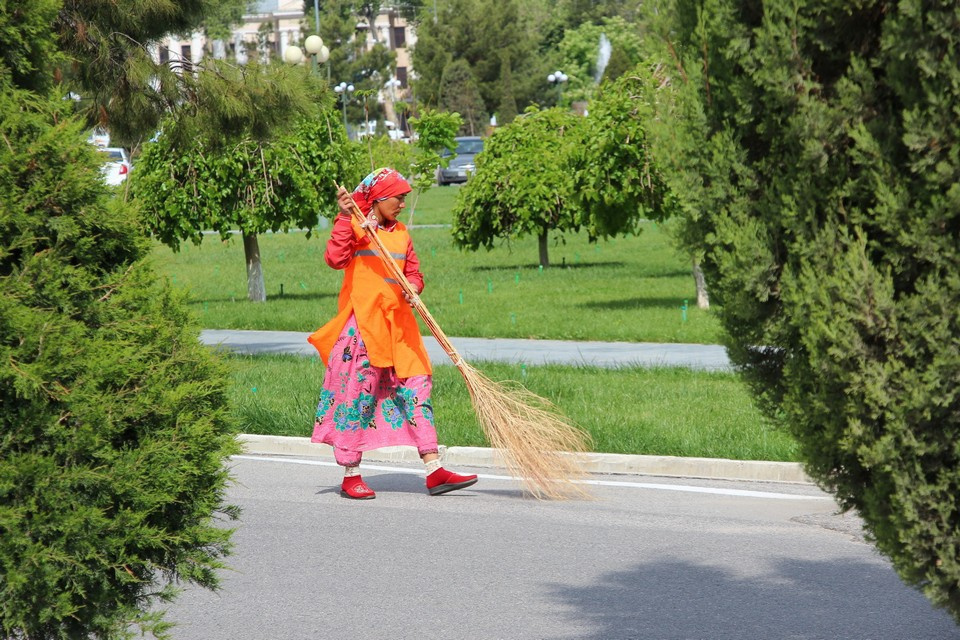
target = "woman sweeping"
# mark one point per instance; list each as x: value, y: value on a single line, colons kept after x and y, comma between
x: 377, y: 384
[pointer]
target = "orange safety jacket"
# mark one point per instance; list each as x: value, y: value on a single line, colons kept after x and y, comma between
x: 387, y: 324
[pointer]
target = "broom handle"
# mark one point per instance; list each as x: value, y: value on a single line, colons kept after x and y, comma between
x: 397, y: 273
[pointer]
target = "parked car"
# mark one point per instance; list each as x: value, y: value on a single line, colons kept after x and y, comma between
x: 116, y: 165
x: 462, y: 164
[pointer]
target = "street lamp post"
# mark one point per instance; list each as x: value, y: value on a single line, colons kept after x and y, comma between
x: 392, y: 84
x: 391, y: 105
x: 318, y: 51
x: 558, y: 78
x: 344, y: 90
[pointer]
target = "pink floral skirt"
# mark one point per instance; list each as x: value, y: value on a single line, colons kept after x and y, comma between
x: 363, y: 407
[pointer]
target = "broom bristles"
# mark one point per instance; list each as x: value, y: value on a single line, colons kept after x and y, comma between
x: 535, y: 440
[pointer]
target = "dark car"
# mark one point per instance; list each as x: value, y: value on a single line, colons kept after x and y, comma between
x: 462, y: 164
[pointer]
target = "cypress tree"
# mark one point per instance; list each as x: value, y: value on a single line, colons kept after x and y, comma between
x: 112, y: 416
x: 113, y: 427
x: 817, y: 147
x: 618, y: 65
x: 459, y: 94
x: 508, y: 102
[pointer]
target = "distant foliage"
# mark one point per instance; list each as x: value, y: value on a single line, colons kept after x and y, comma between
x: 617, y: 65
x: 113, y: 416
x: 459, y: 94
x: 618, y: 182
x: 493, y: 38
x: 383, y: 151
x: 817, y: 147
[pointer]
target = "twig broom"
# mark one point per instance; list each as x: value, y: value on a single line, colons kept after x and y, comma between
x: 536, y: 442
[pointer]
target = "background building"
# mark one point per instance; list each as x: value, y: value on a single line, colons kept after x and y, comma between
x: 274, y: 25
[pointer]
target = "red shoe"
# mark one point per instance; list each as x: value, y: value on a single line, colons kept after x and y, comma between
x: 355, y: 488
x: 442, y: 481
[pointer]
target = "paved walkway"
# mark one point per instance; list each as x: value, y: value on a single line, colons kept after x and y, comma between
x: 532, y: 352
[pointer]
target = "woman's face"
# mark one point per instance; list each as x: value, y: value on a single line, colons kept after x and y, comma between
x: 387, y: 210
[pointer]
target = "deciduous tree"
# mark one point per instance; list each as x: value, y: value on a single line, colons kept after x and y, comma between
x: 435, y: 133
x: 185, y: 185
x: 522, y: 184
x: 618, y: 181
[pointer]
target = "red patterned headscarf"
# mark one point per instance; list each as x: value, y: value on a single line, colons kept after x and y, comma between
x: 382, y: 183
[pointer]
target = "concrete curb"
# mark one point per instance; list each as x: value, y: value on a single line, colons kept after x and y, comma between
x: 665, y: 466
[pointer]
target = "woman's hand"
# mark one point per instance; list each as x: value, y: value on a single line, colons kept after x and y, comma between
x: 345, y: 200
x: 411, y: 300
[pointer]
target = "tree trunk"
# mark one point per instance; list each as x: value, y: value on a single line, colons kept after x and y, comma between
x: 703, y: 298
x: 372, y: 21
x: 544, y: 258
x: 256, y: 291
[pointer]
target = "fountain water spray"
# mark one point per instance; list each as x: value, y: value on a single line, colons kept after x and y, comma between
x: 603, y: 57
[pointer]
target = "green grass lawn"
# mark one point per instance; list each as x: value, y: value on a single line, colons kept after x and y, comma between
x: 629, y: 289
x: 673, y: 411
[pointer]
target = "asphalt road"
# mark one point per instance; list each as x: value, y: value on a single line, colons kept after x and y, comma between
x: 648, y: 558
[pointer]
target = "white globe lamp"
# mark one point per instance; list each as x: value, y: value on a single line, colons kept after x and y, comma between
x: 293, y: 55
x: 313, y: 44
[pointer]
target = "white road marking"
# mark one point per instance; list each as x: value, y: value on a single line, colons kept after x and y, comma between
x: 741, y: 493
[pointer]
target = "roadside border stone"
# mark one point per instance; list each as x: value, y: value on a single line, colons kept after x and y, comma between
x: 600, y: 463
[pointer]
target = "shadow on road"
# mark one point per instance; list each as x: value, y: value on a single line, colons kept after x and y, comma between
x: 386, y: 483
x: 674, y: 599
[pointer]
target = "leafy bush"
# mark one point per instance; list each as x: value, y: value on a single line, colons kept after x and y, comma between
x: 113, y: 426
x: 435, y: 132
x: 383, y: 151
x: 617, y: 181
x: 817, y: 146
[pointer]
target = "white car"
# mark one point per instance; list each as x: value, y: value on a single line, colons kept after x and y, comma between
x: 99, y: 138
x: 116, y: 165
